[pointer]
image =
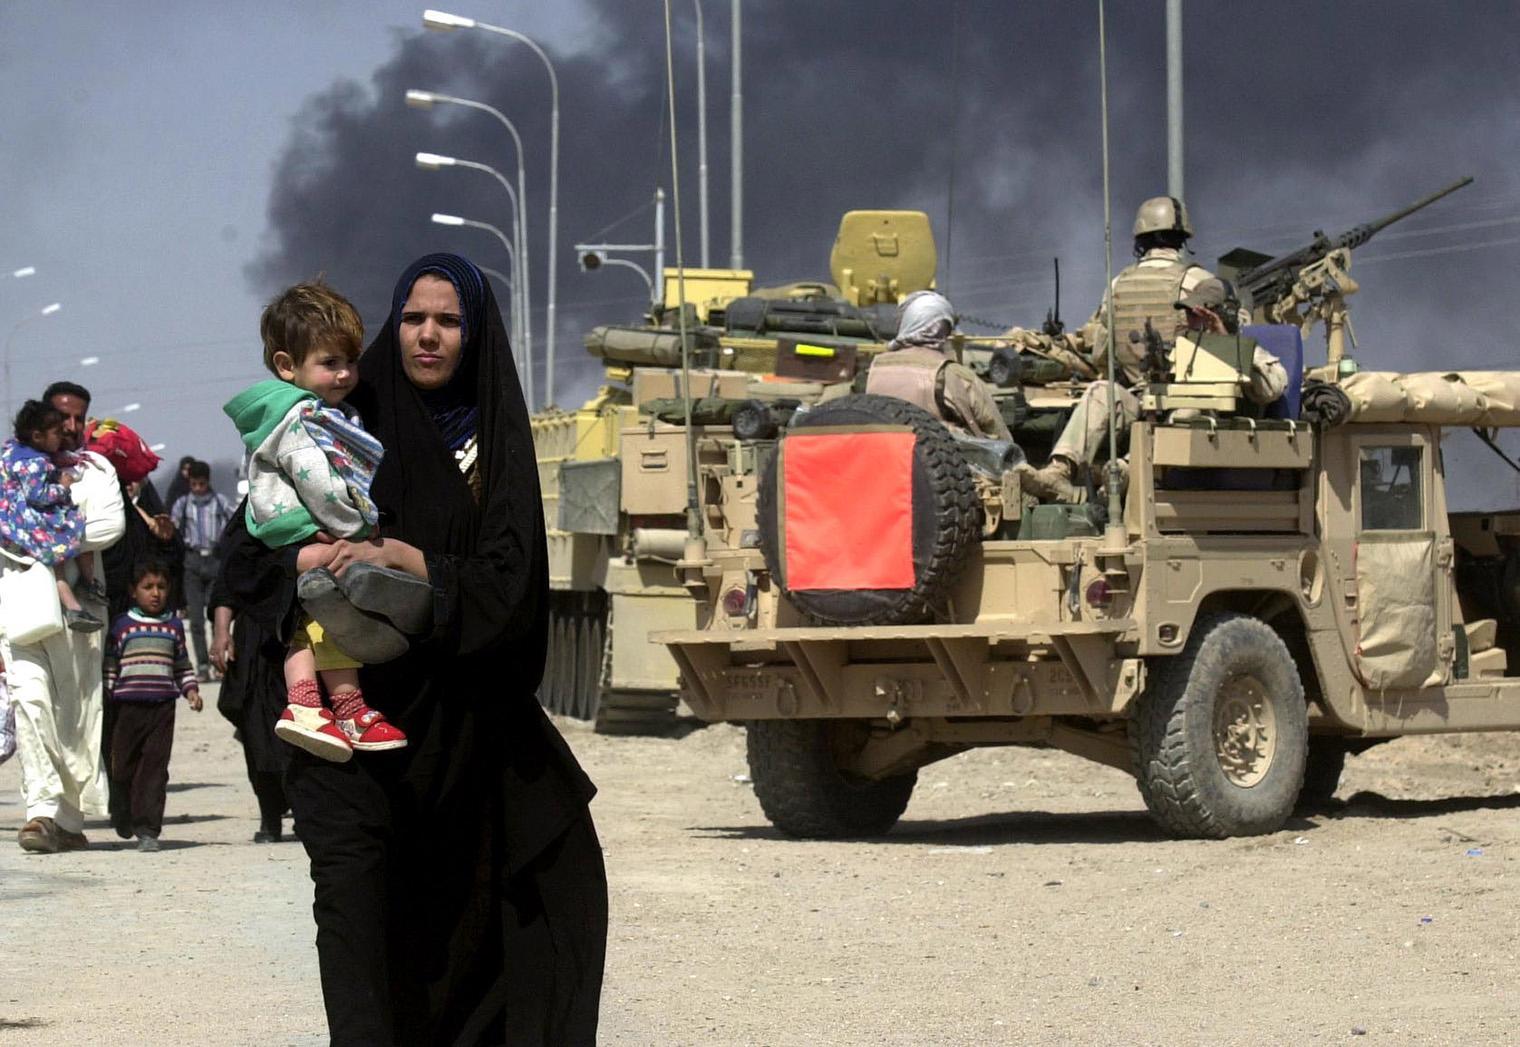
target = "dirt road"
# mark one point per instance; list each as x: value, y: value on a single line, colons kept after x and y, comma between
x: 1024, y: 898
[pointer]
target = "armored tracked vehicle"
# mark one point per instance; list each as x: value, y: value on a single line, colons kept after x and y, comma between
x: 614, y: 473
x: 1275, y: 593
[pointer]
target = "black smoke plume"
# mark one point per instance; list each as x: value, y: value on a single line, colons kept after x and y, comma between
x: 1298, y: 118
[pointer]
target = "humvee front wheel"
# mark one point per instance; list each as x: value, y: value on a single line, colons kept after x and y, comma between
x: 795, y: 768
x: 1221, y: 732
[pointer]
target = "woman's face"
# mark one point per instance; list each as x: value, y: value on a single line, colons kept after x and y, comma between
x: 431, y: 332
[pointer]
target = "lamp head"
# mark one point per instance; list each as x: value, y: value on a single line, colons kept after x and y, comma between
x: 447, y: 219
x: 49, y: 310
x: 433, y: 161
x: 442, y: 21
x: 421, y: 99
x: 592, y: 260
x: 26, y: 270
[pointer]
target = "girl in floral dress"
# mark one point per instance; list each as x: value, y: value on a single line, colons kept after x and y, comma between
x: 38, y: 517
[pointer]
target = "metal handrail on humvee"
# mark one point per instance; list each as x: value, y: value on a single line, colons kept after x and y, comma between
x: 614, y: 471
x: 1278, y: 592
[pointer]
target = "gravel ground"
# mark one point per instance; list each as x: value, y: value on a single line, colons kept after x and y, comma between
x: 1024, y: 898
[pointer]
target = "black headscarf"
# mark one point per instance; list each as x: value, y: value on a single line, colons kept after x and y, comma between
x: 423, y: 496
x: 455, y: 407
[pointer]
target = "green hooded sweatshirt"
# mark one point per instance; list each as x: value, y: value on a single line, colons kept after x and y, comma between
x: 261, y: 413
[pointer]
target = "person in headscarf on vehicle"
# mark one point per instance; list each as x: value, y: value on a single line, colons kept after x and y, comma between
x: 460, y: 892
x: 919, y: 366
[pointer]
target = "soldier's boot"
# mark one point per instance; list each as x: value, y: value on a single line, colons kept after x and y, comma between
x: 1052, y: 483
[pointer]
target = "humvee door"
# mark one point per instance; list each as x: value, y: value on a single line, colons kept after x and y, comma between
x: 1396, y: 589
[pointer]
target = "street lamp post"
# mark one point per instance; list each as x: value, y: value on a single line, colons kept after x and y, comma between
x: 47, y: 310
x: 434, y: 162
x: 702, y: 126
x: 512, y: 265
x: 470, y: 223
x: 597, y: 257
x: 441, y: 20
x: 736, y: 148
x: 426, y: 100
x: 499, y: 276
x: 593, y: 256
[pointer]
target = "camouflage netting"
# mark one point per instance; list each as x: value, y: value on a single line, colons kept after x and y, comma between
x: 1474, y: 398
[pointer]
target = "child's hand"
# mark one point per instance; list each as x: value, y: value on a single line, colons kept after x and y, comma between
x: 315, y: 555
x: 194, y: 697
x: 66, y: 478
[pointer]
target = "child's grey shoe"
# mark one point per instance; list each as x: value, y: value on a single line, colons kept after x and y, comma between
x: 85, y: 622
x: 147, y: 844
x: 363, y: 636
x: 400, y: 598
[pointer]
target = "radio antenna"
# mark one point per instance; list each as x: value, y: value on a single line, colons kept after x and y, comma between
x: 693, y: 509
x: 1115, y: 529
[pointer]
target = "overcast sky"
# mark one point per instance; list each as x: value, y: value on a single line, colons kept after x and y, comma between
x: 168, y: 165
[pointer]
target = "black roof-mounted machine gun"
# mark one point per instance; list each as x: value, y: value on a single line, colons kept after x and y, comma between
x: 1311, y: 284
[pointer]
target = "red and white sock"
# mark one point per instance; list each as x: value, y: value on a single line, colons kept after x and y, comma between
x: 348, y: 705
x: 306, y: 693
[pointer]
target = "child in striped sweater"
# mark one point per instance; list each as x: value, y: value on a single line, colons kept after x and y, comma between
x: 147, y: 669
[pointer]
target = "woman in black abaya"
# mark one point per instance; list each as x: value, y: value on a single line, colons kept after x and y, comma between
x: 460, y: 893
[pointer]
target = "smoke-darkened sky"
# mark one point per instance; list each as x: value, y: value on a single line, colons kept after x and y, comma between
x: 1314, y: 116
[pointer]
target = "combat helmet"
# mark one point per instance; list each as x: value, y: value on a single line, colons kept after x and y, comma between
x: 1163, y: 214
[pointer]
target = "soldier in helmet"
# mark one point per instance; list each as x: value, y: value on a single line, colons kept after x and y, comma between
x: 1144, y: 290
x: 1210, y: 306
x: 919, y: 368
x: 1150, y: 288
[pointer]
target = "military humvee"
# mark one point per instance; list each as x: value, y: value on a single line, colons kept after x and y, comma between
x: 1272, y: 596
x: 614, y: 472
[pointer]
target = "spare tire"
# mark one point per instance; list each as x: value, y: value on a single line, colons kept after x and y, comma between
x: 867, y: 512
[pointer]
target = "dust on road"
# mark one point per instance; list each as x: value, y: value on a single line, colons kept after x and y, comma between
x: 1024, y: 898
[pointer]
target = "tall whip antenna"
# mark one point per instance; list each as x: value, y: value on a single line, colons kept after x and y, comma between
x: 1114, y: 475
x: 693, y: 511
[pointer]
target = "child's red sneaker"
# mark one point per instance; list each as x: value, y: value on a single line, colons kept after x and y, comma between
x: 313, y: 729
x: 370, y: 731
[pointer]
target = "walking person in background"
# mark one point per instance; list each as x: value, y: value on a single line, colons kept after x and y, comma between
x: 249, y: 656
x: 56, y: 681
x: 147, y: 526
x: 200, y: 516
x: 146, y: 532
x: 179, y: 486
x: 147, y: 670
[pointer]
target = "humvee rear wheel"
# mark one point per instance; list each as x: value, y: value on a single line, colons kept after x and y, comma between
x: 795, y: 767
x: 1221, y: 732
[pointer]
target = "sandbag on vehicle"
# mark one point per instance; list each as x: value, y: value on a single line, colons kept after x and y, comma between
x: 1472, y: 398
x: 1375, y: 396
x: 866, y: 512
x: 1501, y: 392
x: 1442, y: 398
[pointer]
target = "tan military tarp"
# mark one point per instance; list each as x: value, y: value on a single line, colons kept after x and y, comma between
x: 1396, y: 610
x: 1481, y: 398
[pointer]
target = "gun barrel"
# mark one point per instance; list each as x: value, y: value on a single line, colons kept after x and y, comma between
x: 1362, y: 233
x: 1356, y: 236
